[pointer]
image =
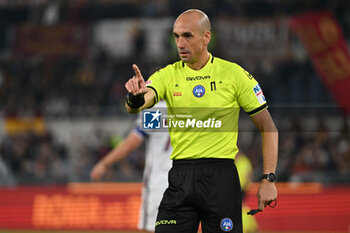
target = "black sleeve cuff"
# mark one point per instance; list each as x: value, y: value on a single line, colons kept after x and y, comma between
x: 156, y: 94
x: 257, y: 109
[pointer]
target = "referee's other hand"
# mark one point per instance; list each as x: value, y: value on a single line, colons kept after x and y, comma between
x: 136, y: 85
x: 267, y: 193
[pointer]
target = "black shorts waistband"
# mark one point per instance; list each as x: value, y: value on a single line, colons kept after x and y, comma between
x: 201, y: 160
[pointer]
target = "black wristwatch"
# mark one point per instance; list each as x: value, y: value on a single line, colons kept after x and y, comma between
x: 270, y: 177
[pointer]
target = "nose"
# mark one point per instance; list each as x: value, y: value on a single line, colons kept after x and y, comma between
x: 180, y: 43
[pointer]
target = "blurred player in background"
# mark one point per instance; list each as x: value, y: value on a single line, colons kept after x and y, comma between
x: 245, y: 172
x: 155, y: 174
x: 203, y: 181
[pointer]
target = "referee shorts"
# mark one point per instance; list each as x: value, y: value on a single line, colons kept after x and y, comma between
x: 205, y: 191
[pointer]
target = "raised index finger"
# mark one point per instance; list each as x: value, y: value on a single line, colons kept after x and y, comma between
x: 137, y: 71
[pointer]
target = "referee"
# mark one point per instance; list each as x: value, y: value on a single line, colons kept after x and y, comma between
x: 203, y: 181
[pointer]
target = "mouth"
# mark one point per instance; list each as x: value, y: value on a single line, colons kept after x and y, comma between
x: 184, y: 53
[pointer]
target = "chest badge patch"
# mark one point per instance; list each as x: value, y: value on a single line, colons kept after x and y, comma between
x: 198, y: 91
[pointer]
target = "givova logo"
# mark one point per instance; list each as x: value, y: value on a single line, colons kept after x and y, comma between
x: 226, y: 224
x: 152, y: 119
x: 165, y: 222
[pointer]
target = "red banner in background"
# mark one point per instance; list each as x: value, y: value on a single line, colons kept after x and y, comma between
x: 325, y: 43
x: 115, y: 206
x: 75, y: 206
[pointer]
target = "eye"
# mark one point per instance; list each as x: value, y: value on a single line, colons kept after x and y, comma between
x: 187, y: 35
x: 176, y: 35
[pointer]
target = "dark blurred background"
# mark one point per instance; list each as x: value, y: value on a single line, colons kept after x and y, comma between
x: 63, y: 66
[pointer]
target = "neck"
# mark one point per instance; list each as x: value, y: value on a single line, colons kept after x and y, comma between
x: 201, y: 62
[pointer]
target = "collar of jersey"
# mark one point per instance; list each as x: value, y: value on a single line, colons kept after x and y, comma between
x: 204, y: 68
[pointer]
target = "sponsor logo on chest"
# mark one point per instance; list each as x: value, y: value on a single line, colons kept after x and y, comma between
x: 197, y: 78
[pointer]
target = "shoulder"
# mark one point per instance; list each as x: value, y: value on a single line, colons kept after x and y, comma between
x: 226, y: 65
x: 228, y: 69
x: 171, y: 68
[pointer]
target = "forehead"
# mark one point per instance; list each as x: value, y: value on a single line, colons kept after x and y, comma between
x: 186, y: 23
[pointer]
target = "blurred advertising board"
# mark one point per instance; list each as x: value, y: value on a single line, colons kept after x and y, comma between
x: 301, y: 207
x: 56, y: 40
x: 135, y: 37
x: 75, y: 206
x: 245, y: 38
x: 323, y: 38
x: 233, y: 38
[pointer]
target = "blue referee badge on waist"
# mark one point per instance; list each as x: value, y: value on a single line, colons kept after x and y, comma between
x: 152, y: 119
x: 226, y: 224
x: 198, y: 91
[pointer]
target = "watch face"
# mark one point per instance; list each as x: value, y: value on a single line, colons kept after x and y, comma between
x: 272, y: 177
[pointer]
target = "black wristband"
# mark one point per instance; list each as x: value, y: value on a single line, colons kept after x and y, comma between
x: 135, y: 101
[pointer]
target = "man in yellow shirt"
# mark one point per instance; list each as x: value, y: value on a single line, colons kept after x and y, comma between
x: 245, y: 172
x: 203, y: 94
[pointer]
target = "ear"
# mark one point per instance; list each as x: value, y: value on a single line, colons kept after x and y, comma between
x: 207, y: 37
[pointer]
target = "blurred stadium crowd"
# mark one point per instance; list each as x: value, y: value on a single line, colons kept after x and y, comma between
x: 62, y: 60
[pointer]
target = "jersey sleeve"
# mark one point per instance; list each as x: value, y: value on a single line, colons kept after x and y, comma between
x: 249, y: 93
x: 156, y: 83
x: 139, y: 129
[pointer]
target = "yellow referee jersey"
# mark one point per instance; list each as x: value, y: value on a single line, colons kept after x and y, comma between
x: 203, y: 106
